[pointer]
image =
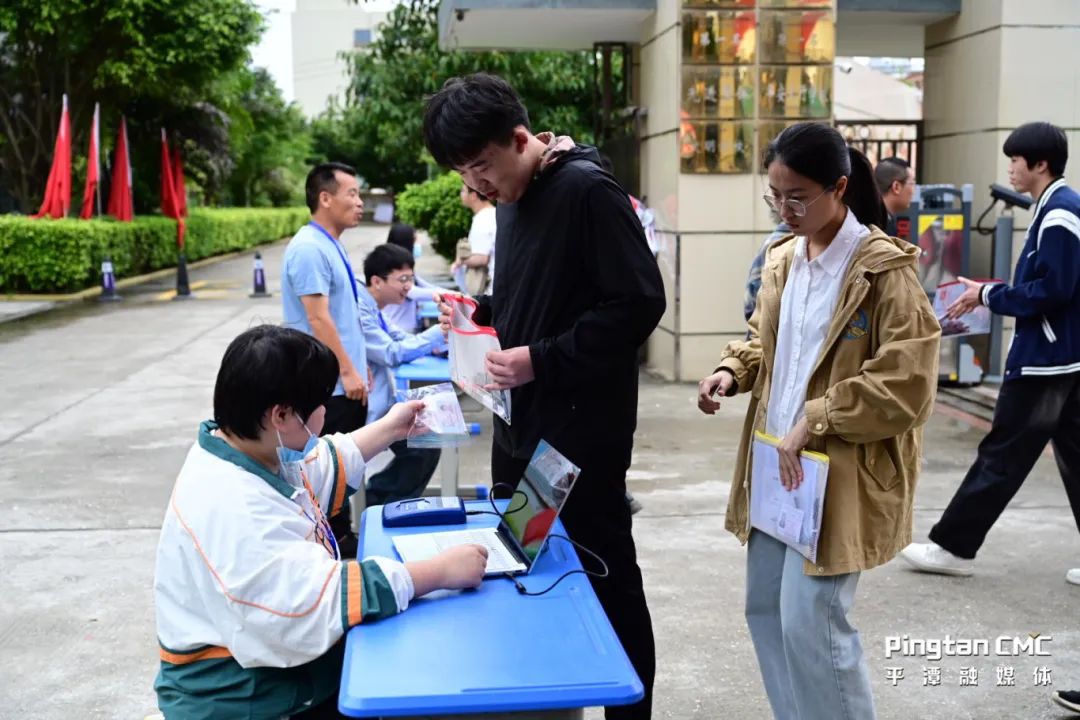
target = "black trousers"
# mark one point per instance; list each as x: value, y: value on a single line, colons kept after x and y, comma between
x: 342, y: 416
x: 326, y: 710
x: 406, y: 476
x: 598, y: 517
x: 1030, y: 412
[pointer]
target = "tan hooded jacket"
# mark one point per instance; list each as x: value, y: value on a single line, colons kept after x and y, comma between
x: 871, y: 391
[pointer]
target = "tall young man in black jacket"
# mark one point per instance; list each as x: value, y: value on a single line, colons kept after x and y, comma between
x: 576, y: 293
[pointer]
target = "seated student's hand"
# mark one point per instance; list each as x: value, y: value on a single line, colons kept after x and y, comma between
x: 401, y: 418
x: 719, y: 382
x: 462, y: 566
x: 456, y: 568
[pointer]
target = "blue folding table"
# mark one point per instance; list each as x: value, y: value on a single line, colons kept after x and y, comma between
x: 487, y: 652
x: 426, y: 368
x: 427, y: 310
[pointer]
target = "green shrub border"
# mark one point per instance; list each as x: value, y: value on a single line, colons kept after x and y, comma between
x: 55, y: 256
x: 435, y: 206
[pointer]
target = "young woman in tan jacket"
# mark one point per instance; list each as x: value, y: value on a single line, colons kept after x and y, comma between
x: 842, y: 360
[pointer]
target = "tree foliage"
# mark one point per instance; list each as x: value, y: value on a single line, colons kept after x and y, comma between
x: 378, y: 128
x: 435, y: 206
x: 270, y: 144
x: 155, y: 61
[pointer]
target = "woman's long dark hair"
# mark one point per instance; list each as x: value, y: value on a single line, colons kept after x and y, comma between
x: 817, y: 151
x: 402, y: 236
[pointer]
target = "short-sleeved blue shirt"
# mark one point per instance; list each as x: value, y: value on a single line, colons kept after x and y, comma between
x: 313, y: 266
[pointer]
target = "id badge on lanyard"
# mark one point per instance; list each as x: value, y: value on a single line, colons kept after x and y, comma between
x: 324, y: 534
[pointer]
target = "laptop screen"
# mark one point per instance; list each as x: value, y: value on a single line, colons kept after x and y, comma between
x: 540, y: 498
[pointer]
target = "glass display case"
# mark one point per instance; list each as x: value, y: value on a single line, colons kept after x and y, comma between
x: 717, y: 147
x: 750, y: 68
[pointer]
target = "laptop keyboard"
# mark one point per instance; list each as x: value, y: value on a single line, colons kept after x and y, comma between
x: 499, y: 558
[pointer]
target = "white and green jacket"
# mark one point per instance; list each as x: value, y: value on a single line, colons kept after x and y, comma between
x: 250, y: 605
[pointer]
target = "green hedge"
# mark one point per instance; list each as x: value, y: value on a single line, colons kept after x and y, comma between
x: 435, y: 206
x: 65, y: 255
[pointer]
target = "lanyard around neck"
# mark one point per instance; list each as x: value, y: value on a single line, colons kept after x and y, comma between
x: 341, y: 254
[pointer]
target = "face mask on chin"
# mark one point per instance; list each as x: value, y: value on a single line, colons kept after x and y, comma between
x: 291, y: 462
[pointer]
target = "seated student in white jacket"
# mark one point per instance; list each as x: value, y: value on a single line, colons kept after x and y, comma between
x: 251, y: 596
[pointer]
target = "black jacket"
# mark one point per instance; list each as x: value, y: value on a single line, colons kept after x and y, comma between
x: 575, y: 282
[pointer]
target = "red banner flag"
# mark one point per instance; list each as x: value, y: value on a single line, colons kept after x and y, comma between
x: 58, y: 186
x: 93, y: 172
x: 170, y: 206
x: 179, y: 183
x: 120, y: 188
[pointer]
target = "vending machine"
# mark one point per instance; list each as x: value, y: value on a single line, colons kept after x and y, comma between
x: 939, y: 222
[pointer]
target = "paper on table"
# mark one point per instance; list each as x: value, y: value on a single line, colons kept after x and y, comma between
x: 792, y: 517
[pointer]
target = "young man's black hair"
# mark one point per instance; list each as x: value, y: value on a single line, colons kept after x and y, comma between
x: 321, y: 179
x: 890, y: 170
x: 1039, y: 141
x: 467, y: 114
x: 266, y: 366
x: 385, y: 259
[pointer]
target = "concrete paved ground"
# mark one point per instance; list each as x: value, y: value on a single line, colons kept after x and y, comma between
x: 15, y: 309
x: 99, y: 404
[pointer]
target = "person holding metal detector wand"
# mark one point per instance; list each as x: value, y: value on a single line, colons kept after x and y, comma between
x: 1039, y: 400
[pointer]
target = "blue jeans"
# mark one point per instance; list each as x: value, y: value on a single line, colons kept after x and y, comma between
x: 810, y: 656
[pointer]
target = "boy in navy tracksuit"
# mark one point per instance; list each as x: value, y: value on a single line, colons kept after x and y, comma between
x: 1040, y: 398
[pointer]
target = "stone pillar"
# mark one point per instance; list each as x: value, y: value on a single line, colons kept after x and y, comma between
x: 719, y: 79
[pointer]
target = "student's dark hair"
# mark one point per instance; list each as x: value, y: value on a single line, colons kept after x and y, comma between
x: 321, y: 178
x: 818, y: 152
x: 270, y: 365
x: 404, y: 236
x: 467, y: 114
x: 1039, y: 141
x: 385, y: 259
x: 890, y: 170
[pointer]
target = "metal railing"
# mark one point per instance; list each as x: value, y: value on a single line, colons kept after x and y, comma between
x: 879, y: 139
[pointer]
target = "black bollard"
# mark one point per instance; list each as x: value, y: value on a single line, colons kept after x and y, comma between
x: 183, y: 288
x: 259, y: 290
x: 108, y: 282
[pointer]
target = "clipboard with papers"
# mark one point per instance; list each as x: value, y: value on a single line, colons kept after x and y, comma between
x: 791, y: 516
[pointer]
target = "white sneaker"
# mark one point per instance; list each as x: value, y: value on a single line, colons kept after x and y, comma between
x: 932, y: 558
x: 1069, y: 699
x: 1073, y: 576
